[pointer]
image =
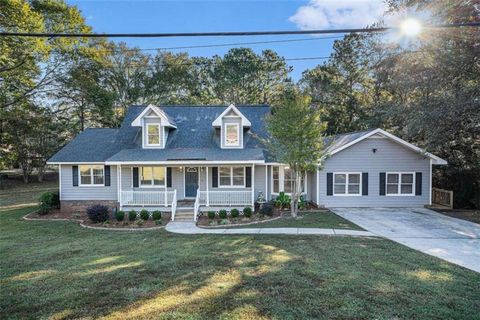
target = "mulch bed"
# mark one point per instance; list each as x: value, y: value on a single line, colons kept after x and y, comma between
x: 112, y: 223
x: 204, y: 221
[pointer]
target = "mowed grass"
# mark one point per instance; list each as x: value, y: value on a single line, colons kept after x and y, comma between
x: 59, y: 270
x: 321, y: 219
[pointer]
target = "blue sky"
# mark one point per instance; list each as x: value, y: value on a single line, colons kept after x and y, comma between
x: 196, y: 16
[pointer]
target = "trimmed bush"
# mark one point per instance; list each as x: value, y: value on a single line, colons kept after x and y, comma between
x: 120, y: 215
x: 247, y: 212
x: 222, y: 214
x: 157, y: 215
x: 234, y: 213
x: 48, y: 201
x: 144, y: 214
x: 211, y: 215
x: 98, y: 213
x: 267, y: 210
x: 132, y: 215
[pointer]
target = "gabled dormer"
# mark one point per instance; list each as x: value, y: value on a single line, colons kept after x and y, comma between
x: 155, y: 125
x: 232, y: 124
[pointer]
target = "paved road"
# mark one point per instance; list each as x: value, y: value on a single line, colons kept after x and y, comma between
x: 191, y: 228
x: 454, y: 240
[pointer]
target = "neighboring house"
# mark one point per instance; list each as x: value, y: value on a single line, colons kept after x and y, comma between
x: 213, y: 155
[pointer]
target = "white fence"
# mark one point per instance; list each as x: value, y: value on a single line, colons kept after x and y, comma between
x: 147, y: 198
x: 225, y: 198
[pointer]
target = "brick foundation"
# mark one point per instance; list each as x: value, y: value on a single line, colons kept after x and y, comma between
x: 82, y: 205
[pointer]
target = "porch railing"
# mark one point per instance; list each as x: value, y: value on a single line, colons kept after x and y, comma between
x: 196, y: 206
x: 442, y: 197
x: 147, y: 198
x: 174, y: 204
x: 226, y: 198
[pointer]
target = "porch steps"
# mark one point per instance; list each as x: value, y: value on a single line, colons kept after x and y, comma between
x: 184, y: 215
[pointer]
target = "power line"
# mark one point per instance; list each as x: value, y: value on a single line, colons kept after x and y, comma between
x: 218, y: 34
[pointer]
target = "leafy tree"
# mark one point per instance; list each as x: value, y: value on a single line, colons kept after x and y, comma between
x: 296, y: 138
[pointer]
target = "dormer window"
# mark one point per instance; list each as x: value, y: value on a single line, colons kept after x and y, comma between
x: 232, y: 135
x: 153, y: 134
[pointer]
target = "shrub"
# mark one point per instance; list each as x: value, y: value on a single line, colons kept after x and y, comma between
x: 222, y: 214
x: 132, y: 215
x: 211, y: 214
x: 234, y: 213
x: 120, y: 215
x: 157, y: 215
x: 98, y: 213
x: 144, y: 214
x: 247, y: 212
x: 282, y: 201
x: 48, y: 201
x: 267, y: 209
x: 302, y: 203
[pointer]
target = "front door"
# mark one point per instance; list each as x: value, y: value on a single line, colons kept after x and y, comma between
x: 191, y: 182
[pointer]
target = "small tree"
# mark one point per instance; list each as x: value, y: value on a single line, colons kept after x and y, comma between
x: 296, y: 138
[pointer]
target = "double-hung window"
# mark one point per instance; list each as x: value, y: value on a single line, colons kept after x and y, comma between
x: 152, y: 177
x: 400, y: 183
x: 232, y: 135
x: 91, y: 175
x: 283, y: 180
x: 231, y: 177
x: 153, y: 134
x: 346, y: 184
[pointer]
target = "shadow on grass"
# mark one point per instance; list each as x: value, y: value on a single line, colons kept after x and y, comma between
x: 60, y: 270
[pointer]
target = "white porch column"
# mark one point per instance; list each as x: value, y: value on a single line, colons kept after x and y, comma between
x: 266, y: 183
x: 318, y: 186
x: 119, y: 184
x: 253, y: 185
x: 208, y: 195
x: 60, y: 182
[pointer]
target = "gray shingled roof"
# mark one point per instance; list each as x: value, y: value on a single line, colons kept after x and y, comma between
x: 193, y: 139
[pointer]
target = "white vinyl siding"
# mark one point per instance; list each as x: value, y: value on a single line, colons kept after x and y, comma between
x: 69, y: 192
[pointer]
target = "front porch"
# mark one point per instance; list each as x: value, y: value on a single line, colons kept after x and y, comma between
x: 186, y: 188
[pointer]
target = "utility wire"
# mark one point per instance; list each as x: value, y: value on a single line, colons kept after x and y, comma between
x: 218, y: 34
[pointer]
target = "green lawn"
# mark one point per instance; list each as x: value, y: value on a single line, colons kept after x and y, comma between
x: 325, y: 219
x: 60, y: 270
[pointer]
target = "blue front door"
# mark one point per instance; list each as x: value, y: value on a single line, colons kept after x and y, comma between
x: 191, y: 182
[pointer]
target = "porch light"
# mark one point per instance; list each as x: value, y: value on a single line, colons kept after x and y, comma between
x: 410, y: 27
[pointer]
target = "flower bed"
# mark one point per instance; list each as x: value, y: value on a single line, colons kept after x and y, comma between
x: 112, y: 221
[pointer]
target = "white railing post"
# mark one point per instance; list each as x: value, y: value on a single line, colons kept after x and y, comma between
x: 196, y: 205
x: 253, y: 185
x: 208, y: 197
x: 174, y: 204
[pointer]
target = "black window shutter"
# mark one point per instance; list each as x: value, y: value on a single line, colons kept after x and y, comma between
x: 214, y: 177
x: 382, y: 182
x: 135, y: 177
x: 329, y: 183
x: 364, y: 183
x: 248, y: 177
x: 169, y: 177
x: 75, y: 176
x: 107, y: 176
x: 418, y: 183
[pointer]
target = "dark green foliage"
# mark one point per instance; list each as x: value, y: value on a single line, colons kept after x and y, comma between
x: 222, y: 214
x: 282, y: 201
x: 132, y: 215
x: 247, y: 212
x: 98, y: 213
x: 267, y: 210
x: 302, y: 203
x: 48, y: 201
x: 211, y: 215
x: 120, y: 215
x: 157, y: 215
x: 144, y: 214
x: 234, y: 213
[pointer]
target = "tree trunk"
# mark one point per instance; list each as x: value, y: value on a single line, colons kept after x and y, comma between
x: 40, y: 172
x: 297, y: 190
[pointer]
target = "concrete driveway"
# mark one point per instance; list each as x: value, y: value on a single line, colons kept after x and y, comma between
x: 454, y: 240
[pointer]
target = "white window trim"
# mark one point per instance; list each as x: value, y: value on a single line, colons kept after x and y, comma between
x: 147, y: 143
x: 346, y: 194
x: 229, y: 145
x: 281, y: 181
x: 399, y: 184
x: 80, y: 184
x: 140, y: 185
x: 231, y: 178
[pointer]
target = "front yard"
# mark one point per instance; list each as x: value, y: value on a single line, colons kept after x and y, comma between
x: 60, y: 270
